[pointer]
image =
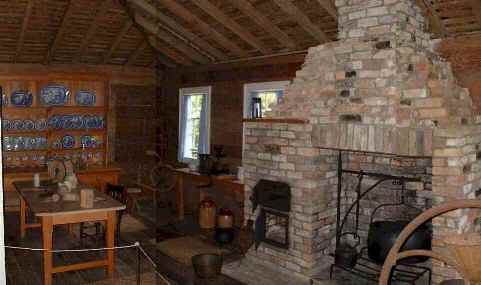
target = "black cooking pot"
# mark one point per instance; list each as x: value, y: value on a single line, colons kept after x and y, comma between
x: 383, y: 234
x: 345, y: 255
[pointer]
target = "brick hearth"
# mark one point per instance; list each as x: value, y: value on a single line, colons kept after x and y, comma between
x: 379, y: 89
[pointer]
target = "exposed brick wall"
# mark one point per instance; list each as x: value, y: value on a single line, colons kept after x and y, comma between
x: 136, y: 120
x: 226, y: 104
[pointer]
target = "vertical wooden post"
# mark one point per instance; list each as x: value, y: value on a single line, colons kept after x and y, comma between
x: 180, y: 195
x: 23, y: 217
x: 47, y: 230
x: 110, y: 241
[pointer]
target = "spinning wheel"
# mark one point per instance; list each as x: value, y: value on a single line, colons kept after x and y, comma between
x: 464, y: 255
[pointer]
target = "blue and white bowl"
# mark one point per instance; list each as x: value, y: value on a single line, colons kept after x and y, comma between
x: 21, y: 98
x: 85, y: 98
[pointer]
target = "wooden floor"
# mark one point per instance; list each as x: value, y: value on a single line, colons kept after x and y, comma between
x: 25, y: 267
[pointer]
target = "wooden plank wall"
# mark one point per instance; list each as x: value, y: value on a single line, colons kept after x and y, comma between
x: 226, y: 103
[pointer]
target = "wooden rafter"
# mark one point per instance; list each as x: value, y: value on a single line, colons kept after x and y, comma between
x: 21, y: 39
x: 289, y: 8
x: 261, y: 20
x: 476, y: 6
x: 188, y: 16
x: 177, y: 28
x: 168, y: 52
x: 222, y: 18
x: 140, y: 48
x: 329, y: 7
x: 104, y: 7
x: 60, y: 32
x: 180, y: 45
x: 125, y: 28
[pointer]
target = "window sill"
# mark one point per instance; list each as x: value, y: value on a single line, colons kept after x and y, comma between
x: 277, y: 120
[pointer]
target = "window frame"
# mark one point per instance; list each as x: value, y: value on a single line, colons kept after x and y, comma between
x: 188, y: 91
x: 261, y: 86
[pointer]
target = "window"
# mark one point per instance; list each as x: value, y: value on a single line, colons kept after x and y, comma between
x: 269, y: 92
x: 194, y: 122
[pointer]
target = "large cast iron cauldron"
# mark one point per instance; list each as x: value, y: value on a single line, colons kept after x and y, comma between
x: 383, y: 234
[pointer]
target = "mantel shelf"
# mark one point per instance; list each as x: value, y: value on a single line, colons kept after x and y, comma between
x: 277, y: 120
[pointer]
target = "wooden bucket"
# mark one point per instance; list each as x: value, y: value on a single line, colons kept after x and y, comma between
x: 466, y: 251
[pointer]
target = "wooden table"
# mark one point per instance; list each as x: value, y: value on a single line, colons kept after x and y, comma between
x: 228, y: 184
x: 66, y: 212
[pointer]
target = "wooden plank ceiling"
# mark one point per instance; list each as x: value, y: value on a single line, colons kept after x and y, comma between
x: 185, y: 32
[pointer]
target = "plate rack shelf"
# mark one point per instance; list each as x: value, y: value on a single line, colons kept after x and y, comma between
x: 89, y: 146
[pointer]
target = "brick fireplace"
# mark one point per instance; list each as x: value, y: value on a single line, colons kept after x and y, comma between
x: 382, y: 91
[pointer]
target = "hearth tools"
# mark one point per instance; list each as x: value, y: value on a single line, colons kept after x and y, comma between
x: 383, y: 234
x: 256, y: 108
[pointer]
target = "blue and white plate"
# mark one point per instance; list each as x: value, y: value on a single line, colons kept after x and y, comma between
x: 6, y: 125
x: 21, y: 98
x: 67, y: 121
x: 85, y: 98
x: 41, y: 125
x: 54, y: 95
x: 88, y: 141
x: 55, y: 122
x: 77, y: 122
x: 90, y: 122
x: 16, y: 125
x: 68, y: 141
x: 28, y: 125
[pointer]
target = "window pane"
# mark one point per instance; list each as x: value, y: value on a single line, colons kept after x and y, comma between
x: 268, y: 99
x: 192, y: 129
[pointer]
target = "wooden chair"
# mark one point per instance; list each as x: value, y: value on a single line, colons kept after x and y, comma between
x: 118, y: 192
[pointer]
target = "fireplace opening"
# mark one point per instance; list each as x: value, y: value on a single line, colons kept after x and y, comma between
x: 272, y: 222
x: 377, y: 195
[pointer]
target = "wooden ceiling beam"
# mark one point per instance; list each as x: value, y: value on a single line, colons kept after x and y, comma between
x: 329, y: 7
x: 290, y: 9
x: 140, y: 48
x: 169, y: 53
x: 101, y: 11
x: 222, y: 18
x: 192, y: 38
x: 476, y: 6
x: 153, y: 28
x: 193, y: 20
x: 125, y: 28
x: 60, y: 32
x: 21, y: 39
x: 246, y: 7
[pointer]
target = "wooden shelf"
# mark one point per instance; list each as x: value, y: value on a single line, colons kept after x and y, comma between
x: 77, y: 149
x: 26, y: 151
x: 25, y: 133
x: 277, y: 120
x: 69, y: 110
x: 81, y: 132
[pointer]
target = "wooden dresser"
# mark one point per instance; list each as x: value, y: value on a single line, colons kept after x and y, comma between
x: 96, y: 177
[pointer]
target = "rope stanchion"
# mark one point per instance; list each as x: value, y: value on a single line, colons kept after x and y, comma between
x: 140, y: 250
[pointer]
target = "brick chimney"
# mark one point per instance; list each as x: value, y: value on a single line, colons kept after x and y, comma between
x: 380, y: 88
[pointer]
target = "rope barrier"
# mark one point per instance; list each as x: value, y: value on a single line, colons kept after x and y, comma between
x: 136, y: 244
